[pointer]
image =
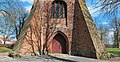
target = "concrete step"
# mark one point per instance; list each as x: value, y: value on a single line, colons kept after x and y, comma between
x: 59, y: 55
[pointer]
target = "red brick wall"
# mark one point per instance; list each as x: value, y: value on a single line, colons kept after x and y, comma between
x: 82, y: 43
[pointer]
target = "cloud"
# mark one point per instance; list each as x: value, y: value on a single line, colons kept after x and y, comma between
x: 94, y: 11
x: 111, y: 33
x: 112, y: 29
x: 28, y: 8
x: 2, y: 13
x: 29, y: 1
x: 111, y: 36
x: 105, y: 23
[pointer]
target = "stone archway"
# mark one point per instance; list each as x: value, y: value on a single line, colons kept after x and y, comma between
x: 59, y: 43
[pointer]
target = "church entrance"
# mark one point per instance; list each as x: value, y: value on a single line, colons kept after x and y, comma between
x: 59, y: 44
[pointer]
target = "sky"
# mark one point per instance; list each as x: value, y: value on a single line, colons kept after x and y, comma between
x: 95, y: 14
x: 27, y: 4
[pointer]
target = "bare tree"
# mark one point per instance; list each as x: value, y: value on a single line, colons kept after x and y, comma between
x: 110, y: 7
x: 104, y: 31
x: 12, y: 18
x: 115, y: 23
x: 6, y: 27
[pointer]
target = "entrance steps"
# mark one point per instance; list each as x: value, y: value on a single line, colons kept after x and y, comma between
x: 59, y: 55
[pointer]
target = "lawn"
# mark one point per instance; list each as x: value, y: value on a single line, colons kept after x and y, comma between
x: 115, y: 51
x: 4, y: 49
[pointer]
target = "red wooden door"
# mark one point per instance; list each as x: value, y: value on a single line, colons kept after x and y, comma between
x: 56, y: 46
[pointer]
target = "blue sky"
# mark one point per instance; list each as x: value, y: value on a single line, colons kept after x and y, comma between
x: 99, y: 19
x: 27, y: 4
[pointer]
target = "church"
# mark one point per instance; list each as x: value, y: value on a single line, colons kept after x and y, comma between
x: 60, y: 26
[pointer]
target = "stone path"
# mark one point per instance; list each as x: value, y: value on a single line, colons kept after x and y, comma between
x: 51, y: 58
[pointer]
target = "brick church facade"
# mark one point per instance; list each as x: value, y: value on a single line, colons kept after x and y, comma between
x: 60, y: 26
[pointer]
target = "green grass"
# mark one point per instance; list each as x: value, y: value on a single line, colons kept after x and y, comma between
x: 4, y: 49
x: 114, y: 50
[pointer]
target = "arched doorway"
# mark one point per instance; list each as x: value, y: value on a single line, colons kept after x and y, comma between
x: 59, y: 44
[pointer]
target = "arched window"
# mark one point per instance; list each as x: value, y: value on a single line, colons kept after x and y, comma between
x: 59, y: 9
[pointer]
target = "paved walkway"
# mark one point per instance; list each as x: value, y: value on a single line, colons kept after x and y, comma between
x: 51, y: 58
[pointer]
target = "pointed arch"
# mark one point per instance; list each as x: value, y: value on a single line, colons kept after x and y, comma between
x: 58, y: 40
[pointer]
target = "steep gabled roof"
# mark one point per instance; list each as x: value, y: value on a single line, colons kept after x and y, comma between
x: 97, y: 42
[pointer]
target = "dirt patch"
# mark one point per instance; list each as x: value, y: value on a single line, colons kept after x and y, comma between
x: 4, y: 56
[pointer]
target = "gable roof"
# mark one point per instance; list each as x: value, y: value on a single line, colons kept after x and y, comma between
x: 97, y: 42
